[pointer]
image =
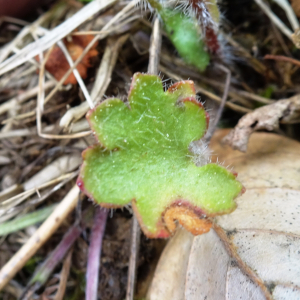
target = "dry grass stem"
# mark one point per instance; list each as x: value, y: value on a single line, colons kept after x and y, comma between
x: 39, y: 237
x: 7, y: 214
x: 222, y: 103
x: 32, y: 186
x: 281, y: 26
x: 123, y: 12
x: 134, y: 250
x: 155, y: 47
x: 285, y: 5
x: 102, y: 81
x: 55, y: 35
x: 110, y: 56
x: 212, y: 96
x: 76, y: 74
x: 220, y: 86
x: 60, y: 166
x: 13, y: 20
x: 253, y: 62
x: 64, y: 276
x: 33, y: 131
x: 40, y: 106
x: 23, y: 97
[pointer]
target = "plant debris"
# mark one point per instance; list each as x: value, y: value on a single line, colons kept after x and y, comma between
x: 267, y: 117
x: 57, y: 63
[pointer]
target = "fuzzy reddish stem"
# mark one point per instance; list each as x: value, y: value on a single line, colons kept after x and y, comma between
x: 206, y: 23
x: 92, y: 276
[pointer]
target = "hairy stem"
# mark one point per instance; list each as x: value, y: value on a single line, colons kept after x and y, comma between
x: 207, y: 23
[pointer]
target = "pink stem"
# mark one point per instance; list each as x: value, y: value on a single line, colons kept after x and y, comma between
x: 92, y: 277
x: 42, y: 275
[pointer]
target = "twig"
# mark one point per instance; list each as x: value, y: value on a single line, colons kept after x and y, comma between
x: 31, y: 115
x: 13, y: 20
x: 39, y: 237
x: 23, y: 97
x: 93, y: 265
x: 253, y: 62
x: 172, y: 60
x: 155, y: 47
x: 32, y: 190
x: 102, y: 81
x: 285, y: 5
x: 283, y: 58
x: 241, y: 264
x: 25, y: 31
x: 281, y: 41
x: 41, y: 101
x: 212, y: 96
x: 7, y: 214
x: 64, y: 276
x: 282, y: 27
x: 54, y: 35
x: 33, y: 131
x: 58, y: 167
x: 110, y: 56
x: 14, y: 288
x: 223, y: 102
x: 44, y: 271
x: 124, y: 11
x: 76, y: 74
x: 34, y: 63
x: 135, y: 243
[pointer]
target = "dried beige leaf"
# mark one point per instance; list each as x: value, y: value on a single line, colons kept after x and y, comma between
x: 252, y: 253
x: 267, y: 117
x: 174, y: 262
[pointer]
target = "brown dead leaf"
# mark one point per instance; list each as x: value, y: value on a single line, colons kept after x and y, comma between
x: 266, y: 117
x: 296, y: 7
x: 252, y: 253
x: 58, y: 65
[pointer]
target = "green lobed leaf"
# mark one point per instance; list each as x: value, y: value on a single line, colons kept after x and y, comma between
x: 186, y: 37
x: 143, y: 156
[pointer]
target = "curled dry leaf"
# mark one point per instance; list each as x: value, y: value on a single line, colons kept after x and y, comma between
x: 252, y: 253
x: 58, y: 65
x: 267, y: 117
